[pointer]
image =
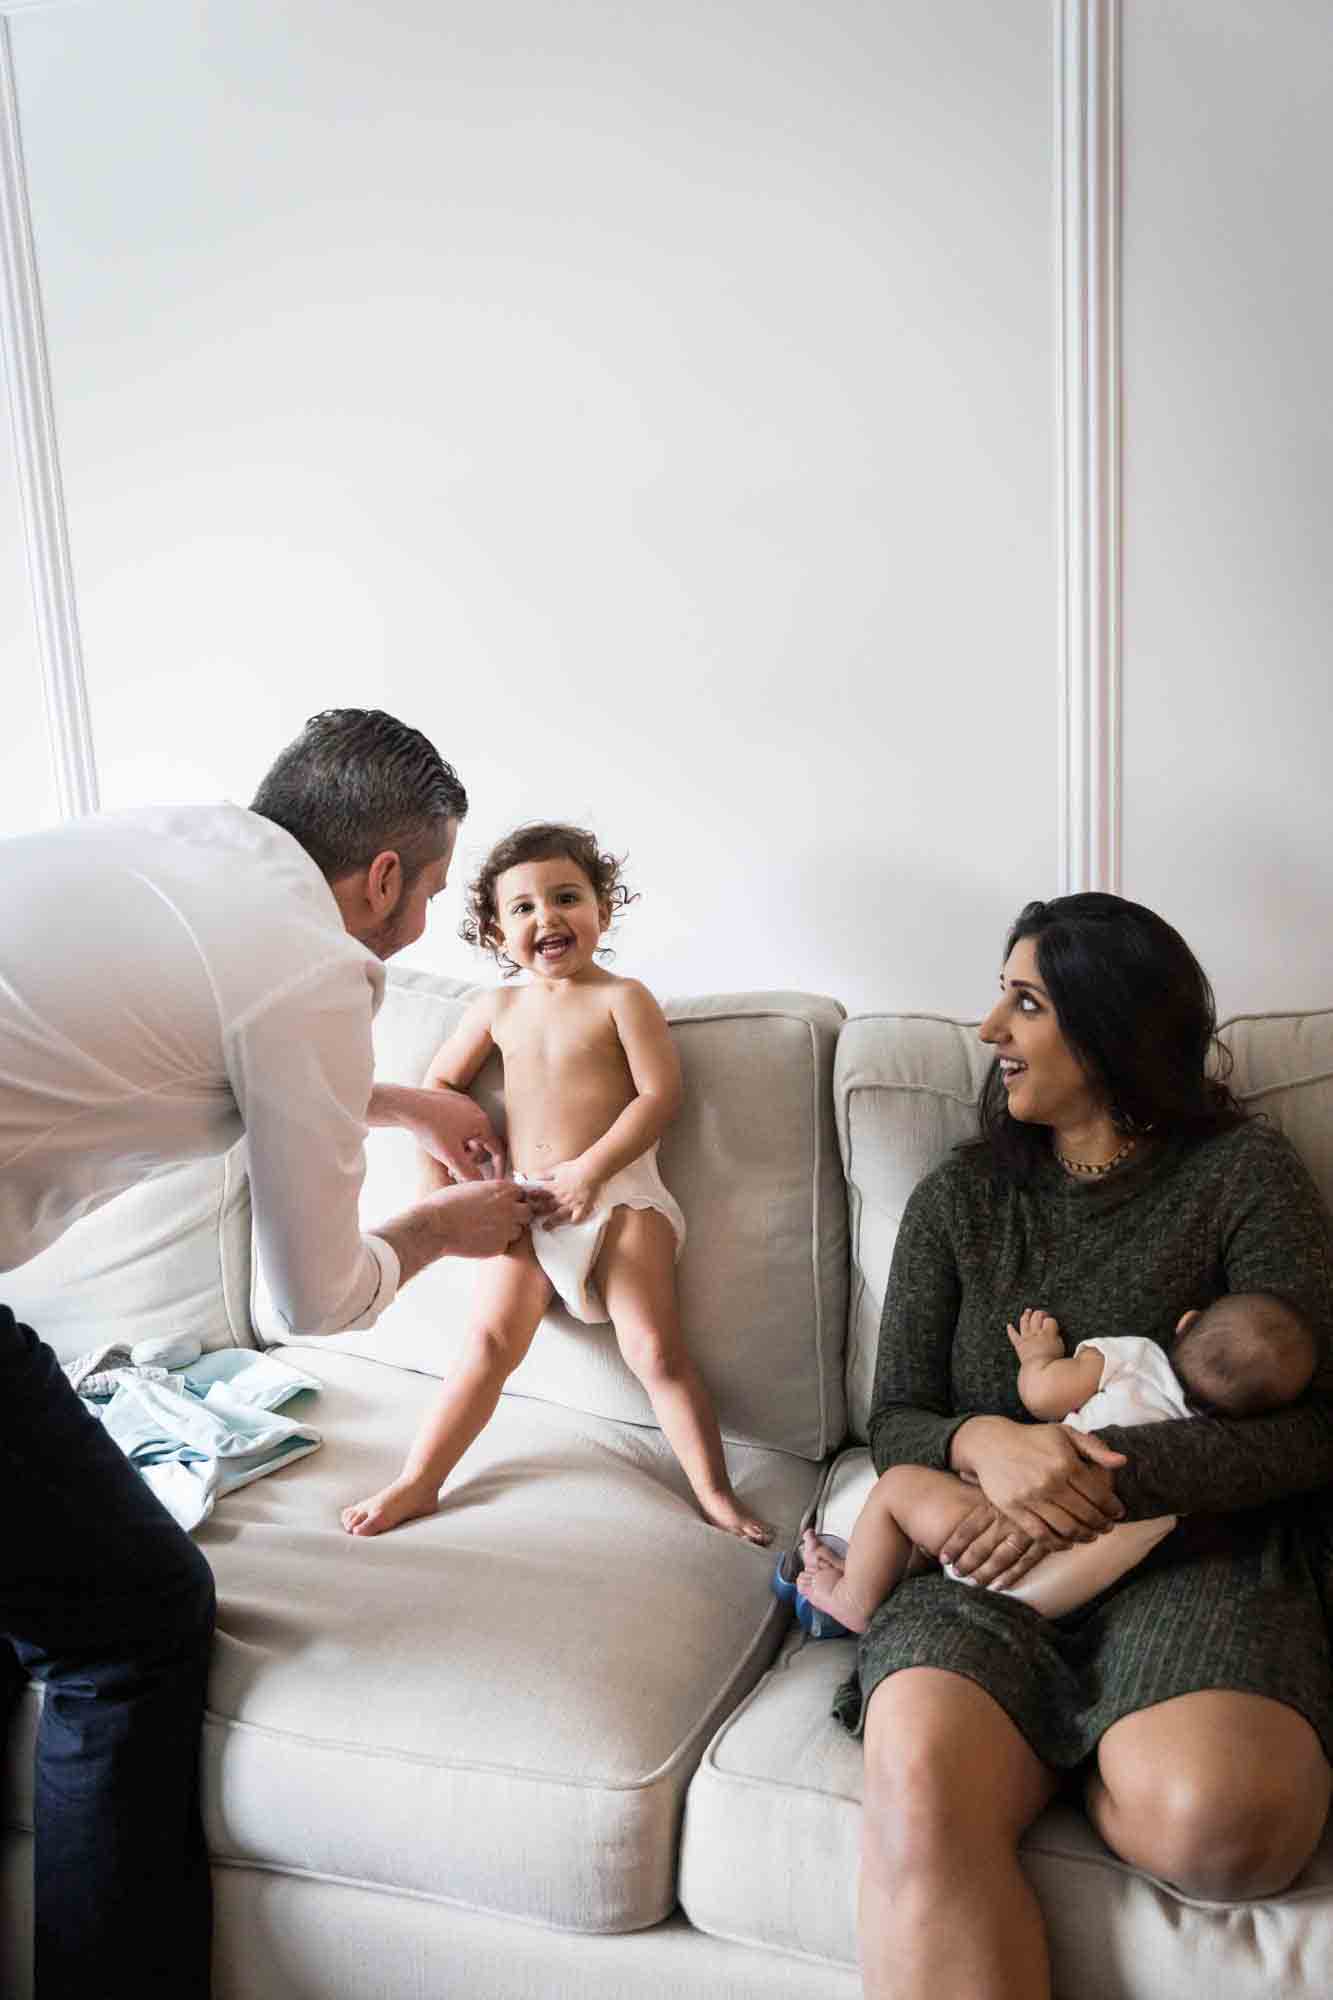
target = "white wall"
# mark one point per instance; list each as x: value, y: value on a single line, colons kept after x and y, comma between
x: 1228, y: 498
x: 656, y: 405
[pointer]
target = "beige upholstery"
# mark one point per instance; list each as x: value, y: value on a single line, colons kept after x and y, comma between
x: 905, y: 1089
x: 1283, y: 1069
x: 316, y: 1940
x: 500, y: 1706
x: 753, y: 1161
x: 169, y: 1256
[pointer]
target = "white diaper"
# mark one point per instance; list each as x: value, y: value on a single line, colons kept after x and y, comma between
x: 1066, y: 1578
x: 568, y: 1253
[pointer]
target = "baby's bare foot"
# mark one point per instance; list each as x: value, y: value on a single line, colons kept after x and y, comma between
x: 818, y: 1555
x: 826, y: 1589
x: 404, y: 1500
x: 724, y: 1510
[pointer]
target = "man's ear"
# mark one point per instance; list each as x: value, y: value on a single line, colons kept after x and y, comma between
x: 384, y: 883
x: 1187, y: 1319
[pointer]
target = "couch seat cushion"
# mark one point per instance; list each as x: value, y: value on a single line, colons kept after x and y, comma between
x: 769, y: 1855
x: 500, y: 1706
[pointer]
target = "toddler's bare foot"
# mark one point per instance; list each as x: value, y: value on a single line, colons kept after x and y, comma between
x: 826, y: 1589
x: 724, y: 1510
x: 403, y: 1500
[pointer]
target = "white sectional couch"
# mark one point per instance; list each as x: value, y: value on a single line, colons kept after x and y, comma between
x: 559, y: 1740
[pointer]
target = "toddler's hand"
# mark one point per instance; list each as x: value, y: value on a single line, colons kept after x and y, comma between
x: 574, y: 1193
x: 1037, y: 1337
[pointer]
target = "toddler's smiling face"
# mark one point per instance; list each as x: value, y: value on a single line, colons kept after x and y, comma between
x: 550, y: 920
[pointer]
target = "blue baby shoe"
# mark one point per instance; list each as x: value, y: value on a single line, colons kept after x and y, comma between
x: 817, y: 1623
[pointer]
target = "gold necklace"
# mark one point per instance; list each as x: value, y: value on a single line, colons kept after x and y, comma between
x: 1094, y: 1167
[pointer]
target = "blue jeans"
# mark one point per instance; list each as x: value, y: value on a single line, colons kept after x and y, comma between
x: 105, y: 1601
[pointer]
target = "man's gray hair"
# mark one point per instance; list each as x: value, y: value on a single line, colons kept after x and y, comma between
x: 356, y: 782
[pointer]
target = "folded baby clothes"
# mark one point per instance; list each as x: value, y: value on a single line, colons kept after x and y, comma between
x: 209, y: 1428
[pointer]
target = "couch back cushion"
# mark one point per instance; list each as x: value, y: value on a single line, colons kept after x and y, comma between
x: 1282, y: 1066
x: 169, y: 1256
x: 905, y: 1092
x: 906, y: 1089
x: 753, y: 1161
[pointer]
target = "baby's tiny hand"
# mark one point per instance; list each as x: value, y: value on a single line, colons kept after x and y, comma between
x: 1037, y: 1337
x: 575, y: 1192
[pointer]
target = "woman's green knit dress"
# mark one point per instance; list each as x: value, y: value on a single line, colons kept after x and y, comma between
x: 1238, y: 1595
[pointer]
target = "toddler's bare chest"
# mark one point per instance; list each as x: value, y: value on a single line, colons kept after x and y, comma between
x: 538, y: 1049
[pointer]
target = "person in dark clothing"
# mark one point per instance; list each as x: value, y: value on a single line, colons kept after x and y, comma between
x: 1116, y: 1180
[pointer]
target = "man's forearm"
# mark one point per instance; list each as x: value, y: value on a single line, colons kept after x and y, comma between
x: 418, y: 1236
x: 446, y: 1123
x: 396, y: 1104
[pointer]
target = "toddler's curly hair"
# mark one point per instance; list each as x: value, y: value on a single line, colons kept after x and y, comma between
x: 540, y: 840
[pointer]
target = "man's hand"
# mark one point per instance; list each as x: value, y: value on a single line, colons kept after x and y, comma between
x: 477, y: 1219
x: 573, y: 1190
x: 446, y: 1124
x: 480, y: 1218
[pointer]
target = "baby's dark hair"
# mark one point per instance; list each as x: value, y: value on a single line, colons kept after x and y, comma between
x: 540, y: 840
x: 1245, y: 1353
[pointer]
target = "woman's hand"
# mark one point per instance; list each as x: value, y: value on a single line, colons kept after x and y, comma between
x: 991, y: 1549
x: 574, y: 1191
x: 1043, y: 1487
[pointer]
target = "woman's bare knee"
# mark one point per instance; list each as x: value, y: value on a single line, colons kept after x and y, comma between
x: 1222, y: 1816
x: 947, y: 1774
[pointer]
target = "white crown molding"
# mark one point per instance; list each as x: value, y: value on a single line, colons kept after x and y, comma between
x: 1087, y: 133
x: 37, y: 462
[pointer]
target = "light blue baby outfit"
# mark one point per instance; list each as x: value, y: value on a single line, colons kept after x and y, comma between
x: 202, y: 1431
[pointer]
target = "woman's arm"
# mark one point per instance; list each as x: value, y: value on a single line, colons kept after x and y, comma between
x: 911, y: 1418
x: 1041, y: 1487
x: 1275, y: 1239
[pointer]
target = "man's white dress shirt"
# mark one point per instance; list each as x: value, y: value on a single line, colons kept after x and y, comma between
x: 169, y: 981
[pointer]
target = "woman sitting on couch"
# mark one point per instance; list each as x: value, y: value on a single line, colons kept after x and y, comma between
x: 1115, y: 1185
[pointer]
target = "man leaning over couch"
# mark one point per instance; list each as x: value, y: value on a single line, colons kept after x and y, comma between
x: 169, y: 981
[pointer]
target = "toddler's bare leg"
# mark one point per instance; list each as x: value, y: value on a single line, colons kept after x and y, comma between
x: 908, y: 1506
x: 512, y: 1294
x: 636, y: 1276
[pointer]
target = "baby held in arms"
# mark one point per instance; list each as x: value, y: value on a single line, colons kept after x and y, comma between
x: 1247, y: 1353
x: 591, y: 1081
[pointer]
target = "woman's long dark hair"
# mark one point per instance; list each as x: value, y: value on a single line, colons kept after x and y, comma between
x: 1136, y: 1008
